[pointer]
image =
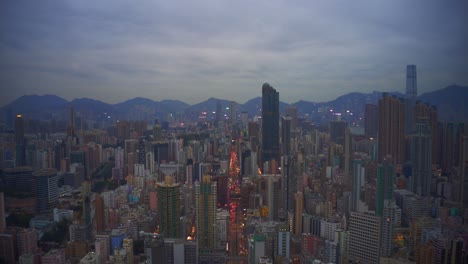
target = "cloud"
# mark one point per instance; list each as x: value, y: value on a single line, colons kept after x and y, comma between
x: 192, y: 50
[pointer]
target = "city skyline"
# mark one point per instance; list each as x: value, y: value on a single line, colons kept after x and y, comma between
x: 159, y: 50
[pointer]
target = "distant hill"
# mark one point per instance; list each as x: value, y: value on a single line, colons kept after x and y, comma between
x: 450, y: 101
x: 36, y: 103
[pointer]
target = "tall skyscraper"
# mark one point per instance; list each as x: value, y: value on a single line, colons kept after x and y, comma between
x: 371, y: 124
x: 20, y: 141
x: 71, y: 122
x: 270, y: 123
x: 391, y: 128
x: 169, y: 208
x: 286, y: 135
x: 205, y: 206
x: 385, y: 175
x: 410, y: 98
x: 421, y: 158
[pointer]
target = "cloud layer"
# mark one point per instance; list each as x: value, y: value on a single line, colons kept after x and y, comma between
x: 115, y: 50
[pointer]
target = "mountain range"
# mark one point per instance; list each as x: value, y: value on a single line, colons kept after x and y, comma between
x: 450, y: 102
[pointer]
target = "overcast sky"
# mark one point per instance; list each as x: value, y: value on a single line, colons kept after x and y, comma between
x: 191, y: 50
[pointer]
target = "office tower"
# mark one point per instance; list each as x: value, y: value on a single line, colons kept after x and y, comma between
x: 19, y: 179
x: 99, y: 214
x: 391, y: 129
x: 256, y: 248
x: 384, y: 190
x: 286, y: 135
x: 299, y: 209
x: 270, y: 123
x: 410, y: 97
x: 45, y: 189
x: 358, y: 182
x: 337, y: 131
x: 141, y: 158
x: 219, y: 113
x: 421, y: 158
x: 161, y: 152
x: 371, y: 123
x: 169, y: 208
x: 205, y: 206
x: 364, y: 237
x: 20, y: 141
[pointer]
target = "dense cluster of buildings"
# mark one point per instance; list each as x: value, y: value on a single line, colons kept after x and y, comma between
x: 272, y: 188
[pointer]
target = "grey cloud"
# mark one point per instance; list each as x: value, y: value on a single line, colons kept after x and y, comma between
x: 315, y: 50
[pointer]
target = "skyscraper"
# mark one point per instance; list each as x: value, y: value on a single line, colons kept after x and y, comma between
x: 371, y: 120
x: 337, y: 131
x: 410, y: 98
x: 45, y: 189
x: 391, y: 128
x: 421, y: 158
x: 205, y: 206
x: 385, y: 175
x: 169, y: 208
x: 286, y: 135
x: 20, y: 141
x: 270, y: 123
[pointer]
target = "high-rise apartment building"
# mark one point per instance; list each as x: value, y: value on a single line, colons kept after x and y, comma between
x: 299, y: 209
x: 463, y: 173
x: 27, y: 241
x: 410, y: 97
x: 99, y: 214
x: 364, y: 238
x: 270, y: 123
x: 391, y: 128
x: 169, y: 208
x: 358, y: 182
x: 421, y: 158
x: 205, y: 206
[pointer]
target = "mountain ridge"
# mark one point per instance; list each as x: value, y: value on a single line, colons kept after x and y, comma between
x: 449, y: 101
